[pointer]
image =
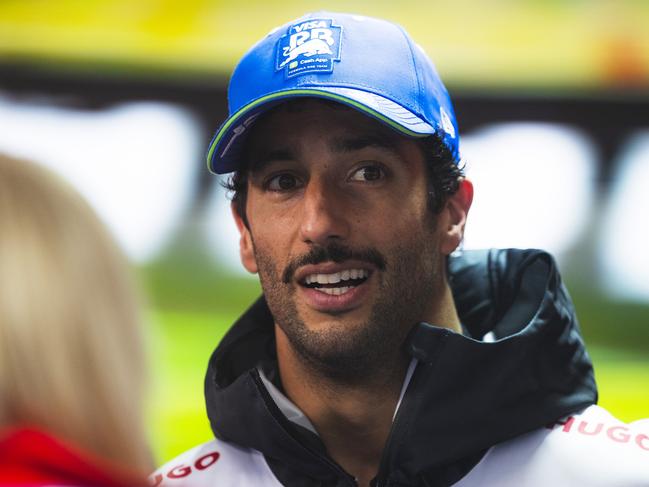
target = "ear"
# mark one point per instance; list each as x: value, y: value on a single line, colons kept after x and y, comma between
x: 246, y: 249
x: 454, y: 217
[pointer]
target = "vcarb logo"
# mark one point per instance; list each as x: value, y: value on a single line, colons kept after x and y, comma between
x: 311, y: 46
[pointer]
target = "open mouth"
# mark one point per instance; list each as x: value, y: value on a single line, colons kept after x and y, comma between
x: 336, y: 283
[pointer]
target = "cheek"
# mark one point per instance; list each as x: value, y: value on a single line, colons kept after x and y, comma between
x: 268, y: 215
x: 268, y: 267
x: 410, y: 219
x: 271, y: 244
x: 272, y: 238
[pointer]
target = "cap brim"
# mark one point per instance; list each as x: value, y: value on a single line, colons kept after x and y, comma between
x: 223, y: 152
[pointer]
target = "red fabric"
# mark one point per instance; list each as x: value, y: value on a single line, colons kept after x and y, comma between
x: 31, y: 457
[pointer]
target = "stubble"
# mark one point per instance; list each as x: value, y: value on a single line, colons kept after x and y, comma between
x: 349, y: 352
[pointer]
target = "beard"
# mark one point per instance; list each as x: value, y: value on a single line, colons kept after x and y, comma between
x: 368, y: 350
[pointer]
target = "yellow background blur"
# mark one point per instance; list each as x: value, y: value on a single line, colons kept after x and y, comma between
x: 495, y: 44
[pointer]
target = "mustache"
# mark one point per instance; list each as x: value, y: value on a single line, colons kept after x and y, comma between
x: 333, y: 253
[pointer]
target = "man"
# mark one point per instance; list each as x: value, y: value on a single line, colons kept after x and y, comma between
x: 375, y: 357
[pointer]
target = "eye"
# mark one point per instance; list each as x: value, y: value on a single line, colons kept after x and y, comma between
x: 368, y: 173
x: 282, y: 182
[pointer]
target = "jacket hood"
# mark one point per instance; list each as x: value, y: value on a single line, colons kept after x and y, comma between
x: 521, y: 364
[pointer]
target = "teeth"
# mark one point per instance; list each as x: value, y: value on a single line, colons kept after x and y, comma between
x: 334, y: 291
x: 337, y: 276
x: 322, y: 279
x: 334, y: 278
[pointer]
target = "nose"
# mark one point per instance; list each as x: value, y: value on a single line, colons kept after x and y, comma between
x: 324, y: 215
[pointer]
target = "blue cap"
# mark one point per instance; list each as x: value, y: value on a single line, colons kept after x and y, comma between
x: 369, y: 64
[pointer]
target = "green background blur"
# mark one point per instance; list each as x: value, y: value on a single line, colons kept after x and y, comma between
x: 533, y: 47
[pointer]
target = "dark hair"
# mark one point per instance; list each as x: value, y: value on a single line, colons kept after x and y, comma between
x: 442, y: 171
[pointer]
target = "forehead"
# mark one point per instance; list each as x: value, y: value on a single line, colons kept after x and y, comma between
x: 306, y: 122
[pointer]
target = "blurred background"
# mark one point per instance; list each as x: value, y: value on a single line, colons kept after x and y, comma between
x: 552, y: 97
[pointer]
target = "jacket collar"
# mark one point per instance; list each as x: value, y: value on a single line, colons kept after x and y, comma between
x: 464, y: 396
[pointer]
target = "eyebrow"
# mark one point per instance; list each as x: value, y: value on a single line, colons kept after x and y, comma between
x: 377, y: 141
x: 339, y: 145
x: 260, y: 163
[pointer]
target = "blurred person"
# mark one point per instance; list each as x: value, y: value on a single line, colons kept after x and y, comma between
x: 378, y: 355
x: 72, y: 363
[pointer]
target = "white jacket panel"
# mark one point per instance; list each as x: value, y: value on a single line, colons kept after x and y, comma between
x: 216, y: 463
x: 590, y: 449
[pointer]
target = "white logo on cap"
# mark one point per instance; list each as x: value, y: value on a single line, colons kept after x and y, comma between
x: 239, y: 130
x: 447, y: 125
x: 310, y: 46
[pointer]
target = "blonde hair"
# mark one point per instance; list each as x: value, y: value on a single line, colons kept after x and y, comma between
x: 71, y: 351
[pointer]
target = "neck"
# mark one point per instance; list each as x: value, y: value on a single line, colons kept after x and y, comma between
x: 353, y: 420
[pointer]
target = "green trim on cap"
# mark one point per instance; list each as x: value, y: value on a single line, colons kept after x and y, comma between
x: 303, y: 92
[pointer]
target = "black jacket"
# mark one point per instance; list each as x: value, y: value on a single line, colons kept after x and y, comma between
x: 465, y: 394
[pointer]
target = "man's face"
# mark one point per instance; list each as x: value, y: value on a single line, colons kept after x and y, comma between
x: 347, y: 251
